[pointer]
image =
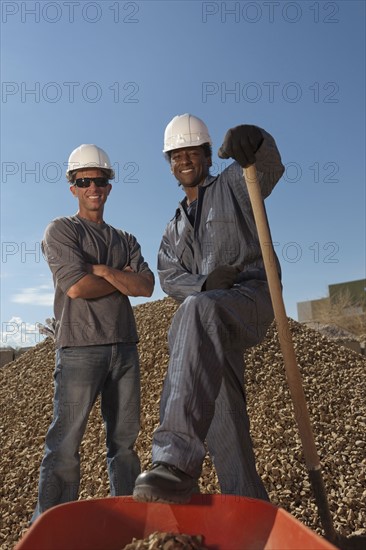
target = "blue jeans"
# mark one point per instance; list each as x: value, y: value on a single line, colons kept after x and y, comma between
x: 81, y: 374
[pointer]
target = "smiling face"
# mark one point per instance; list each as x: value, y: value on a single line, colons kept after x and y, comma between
x: 190, y: 166
x: 91, y: 199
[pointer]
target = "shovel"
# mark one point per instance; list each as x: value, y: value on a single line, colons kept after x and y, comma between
x: 355, y: 542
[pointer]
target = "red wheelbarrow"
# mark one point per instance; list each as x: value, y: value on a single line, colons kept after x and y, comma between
x: 227, y: 522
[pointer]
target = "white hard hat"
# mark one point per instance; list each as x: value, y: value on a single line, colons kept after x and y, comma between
x: 88, y: 156
x: 185, y: 131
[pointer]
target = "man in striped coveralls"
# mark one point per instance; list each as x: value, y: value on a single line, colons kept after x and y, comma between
x: 210, y: 261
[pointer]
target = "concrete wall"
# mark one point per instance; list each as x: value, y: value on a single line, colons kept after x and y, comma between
x: 10, y: 354
x: 309, y: 311
x: 6, y: 355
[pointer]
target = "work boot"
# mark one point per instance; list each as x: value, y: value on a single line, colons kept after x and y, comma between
x: 164, y: 483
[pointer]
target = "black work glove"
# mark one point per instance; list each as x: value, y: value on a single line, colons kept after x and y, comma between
x: 241, y: 143
x: 223, y: 276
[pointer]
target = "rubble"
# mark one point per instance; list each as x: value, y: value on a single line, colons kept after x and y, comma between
x: 334, y: 381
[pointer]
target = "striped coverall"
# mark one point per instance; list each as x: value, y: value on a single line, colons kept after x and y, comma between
x: 203, y: 399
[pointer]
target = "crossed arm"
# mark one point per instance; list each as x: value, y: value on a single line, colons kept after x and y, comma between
x: 103, y: 280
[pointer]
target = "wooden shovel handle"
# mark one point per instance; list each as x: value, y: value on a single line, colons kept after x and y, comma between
x: 292, y: 371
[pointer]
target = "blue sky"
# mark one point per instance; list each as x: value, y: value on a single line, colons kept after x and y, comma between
x: 114, y: 73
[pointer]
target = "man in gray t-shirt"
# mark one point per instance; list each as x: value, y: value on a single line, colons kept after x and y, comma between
x: 95, y: 268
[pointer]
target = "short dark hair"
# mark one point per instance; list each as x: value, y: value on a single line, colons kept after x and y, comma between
x: 207, y: 149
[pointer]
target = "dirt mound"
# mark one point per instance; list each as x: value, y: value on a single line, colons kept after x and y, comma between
x: 335, y: 386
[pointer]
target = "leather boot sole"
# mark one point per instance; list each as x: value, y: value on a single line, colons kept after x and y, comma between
x: 146, y: 493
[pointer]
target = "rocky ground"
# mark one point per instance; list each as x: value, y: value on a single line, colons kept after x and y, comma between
x: 334, y: 381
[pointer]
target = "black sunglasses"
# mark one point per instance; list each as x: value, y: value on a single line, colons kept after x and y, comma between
x: 85, y: 182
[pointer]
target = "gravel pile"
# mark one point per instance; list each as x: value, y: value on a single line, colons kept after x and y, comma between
x: 334, y: 382
x: 167, y: 541
x: 334, y: 332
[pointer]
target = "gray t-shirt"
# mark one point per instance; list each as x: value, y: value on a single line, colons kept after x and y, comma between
x: 69, y: 244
